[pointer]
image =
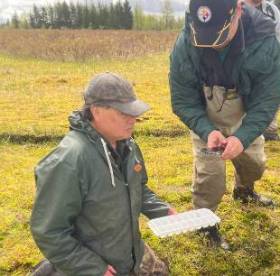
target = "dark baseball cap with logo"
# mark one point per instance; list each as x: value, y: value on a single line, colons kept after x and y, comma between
x: 111, y: 90
x: 210, y: 21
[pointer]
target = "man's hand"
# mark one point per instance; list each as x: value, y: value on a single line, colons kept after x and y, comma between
x: 233, y: 147
x: 172, y: 211
x: 215, y: 139
x: 110, y: 271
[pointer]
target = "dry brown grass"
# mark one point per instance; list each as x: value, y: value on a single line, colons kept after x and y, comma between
x: 81, y: 45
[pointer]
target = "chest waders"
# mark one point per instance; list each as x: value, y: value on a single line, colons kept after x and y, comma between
x: 225, y: 109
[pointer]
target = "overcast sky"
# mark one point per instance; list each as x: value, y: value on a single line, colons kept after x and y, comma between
x: 9, y: 7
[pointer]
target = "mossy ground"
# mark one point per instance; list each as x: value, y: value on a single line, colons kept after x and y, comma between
x: 36, y: 98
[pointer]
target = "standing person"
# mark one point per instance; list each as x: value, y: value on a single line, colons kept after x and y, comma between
x: 224, y: 81
x: 270, y: 10
x: 92, y: 188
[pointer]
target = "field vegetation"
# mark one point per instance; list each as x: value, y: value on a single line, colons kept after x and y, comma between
x: 38, y: 92
x: 83, y: 45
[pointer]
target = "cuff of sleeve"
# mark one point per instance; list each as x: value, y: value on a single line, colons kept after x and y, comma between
x: 243, y: 138
x: 206, y: 133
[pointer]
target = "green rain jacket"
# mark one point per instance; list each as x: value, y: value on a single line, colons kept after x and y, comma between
x: 86, y: 211
x: 256, y: 74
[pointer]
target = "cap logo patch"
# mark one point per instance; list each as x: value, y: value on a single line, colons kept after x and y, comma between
x: 204, y: 14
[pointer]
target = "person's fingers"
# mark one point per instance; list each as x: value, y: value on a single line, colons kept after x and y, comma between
x: 172, y: 211
x: 233, y: 148
x: 215, y: 139
x: 112, y: 270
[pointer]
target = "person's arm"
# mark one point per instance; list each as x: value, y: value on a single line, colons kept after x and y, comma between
x: 264, y: 95
x: 186, y: 90
x: 152, y: 205
x: 58, y: 202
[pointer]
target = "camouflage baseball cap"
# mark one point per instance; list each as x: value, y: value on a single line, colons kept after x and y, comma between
x: 109, y: 89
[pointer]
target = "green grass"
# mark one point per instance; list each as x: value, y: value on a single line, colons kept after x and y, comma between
x: 17, y: 249
x: 36, y: 98
x: 253, y: 231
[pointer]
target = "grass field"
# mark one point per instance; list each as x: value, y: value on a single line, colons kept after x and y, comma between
x: 36, y: 97
x: 81, y: 45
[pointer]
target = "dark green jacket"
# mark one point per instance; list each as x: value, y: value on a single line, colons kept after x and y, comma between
x: 255, y: 73
x: 82, y: 222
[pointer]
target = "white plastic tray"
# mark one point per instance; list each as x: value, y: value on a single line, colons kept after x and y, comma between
x: 183, y: 222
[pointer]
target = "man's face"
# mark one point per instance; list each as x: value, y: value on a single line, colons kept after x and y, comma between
x: 232, y: 32
x: 233, y: 26
x: 113, y: 124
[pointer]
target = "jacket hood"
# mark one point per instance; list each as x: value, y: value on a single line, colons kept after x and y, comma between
x: 78, y: 123
x: 256, y: 25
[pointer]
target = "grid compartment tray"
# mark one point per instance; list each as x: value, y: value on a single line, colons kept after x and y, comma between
x: 183, y: 222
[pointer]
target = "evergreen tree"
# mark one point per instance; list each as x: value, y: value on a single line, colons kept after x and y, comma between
x: 113, y: 17
x: 93, y: 17
x: 65, y: 15
x: 58, y: 20
x: 44, y: 22
x: 119, y: 13
x: 127, y: 22
x: 36, y: 17
x: 15, y: 21
x: 50, y: 16
x: 61, y: 15
x: 72, y: 16
x: 85, y: 17
x: 103, y: 17
x: 32, y: 21
x: 79, y: 15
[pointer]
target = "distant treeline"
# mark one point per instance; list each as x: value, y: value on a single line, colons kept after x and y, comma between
x: 91, y: 16
x: 77, y: 16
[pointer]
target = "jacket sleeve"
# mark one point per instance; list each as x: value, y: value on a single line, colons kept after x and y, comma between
x: 260, y: 76
x: 58, y: 202
x: 186, y: 90
x: 152, y: 206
